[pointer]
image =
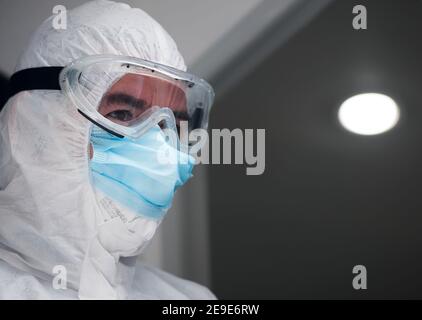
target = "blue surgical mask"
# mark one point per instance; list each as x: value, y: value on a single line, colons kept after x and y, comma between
x: 131, y: 172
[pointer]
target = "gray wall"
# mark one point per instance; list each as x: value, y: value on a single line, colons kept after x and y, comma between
x: 329, y: 199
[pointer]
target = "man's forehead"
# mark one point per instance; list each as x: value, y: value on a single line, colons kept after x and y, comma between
x: 152, y: 90
x: 138, y: 82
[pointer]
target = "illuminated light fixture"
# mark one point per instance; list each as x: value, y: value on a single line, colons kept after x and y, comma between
x: 369, y: 114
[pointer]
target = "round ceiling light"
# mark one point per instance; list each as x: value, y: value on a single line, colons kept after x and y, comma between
x: 369, y: 114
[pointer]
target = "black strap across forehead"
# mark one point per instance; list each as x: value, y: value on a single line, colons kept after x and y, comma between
x: 41, y: 78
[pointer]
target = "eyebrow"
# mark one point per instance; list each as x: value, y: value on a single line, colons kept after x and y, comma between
x: 123, y: 98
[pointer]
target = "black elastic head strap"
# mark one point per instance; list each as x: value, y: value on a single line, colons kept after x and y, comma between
x: 42, y: 78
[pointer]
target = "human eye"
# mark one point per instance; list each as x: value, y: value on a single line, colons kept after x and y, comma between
x: 122, y: 108
x: 122, y: 115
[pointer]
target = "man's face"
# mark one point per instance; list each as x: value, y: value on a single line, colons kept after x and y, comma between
x: 133, y: 94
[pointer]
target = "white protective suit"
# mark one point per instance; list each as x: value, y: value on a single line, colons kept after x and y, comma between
x: 51, y: 217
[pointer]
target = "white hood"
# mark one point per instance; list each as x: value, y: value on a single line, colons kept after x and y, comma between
x: 49, y: 213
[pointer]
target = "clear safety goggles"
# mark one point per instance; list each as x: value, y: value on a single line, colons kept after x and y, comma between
x: 125, y: 96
